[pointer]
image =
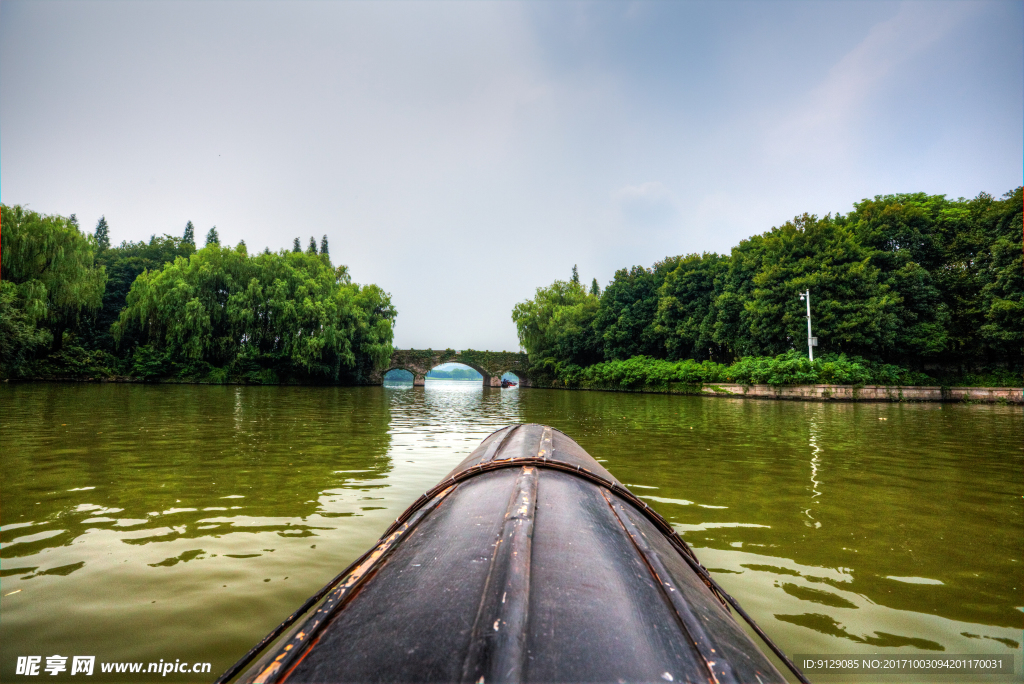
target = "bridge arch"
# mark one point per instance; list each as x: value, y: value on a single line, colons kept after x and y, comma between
x: 519, y: 377
x: 491, y: 365
x: 384, y: 373
x: 475, y: 366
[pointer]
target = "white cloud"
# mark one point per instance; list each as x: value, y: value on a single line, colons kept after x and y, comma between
x: 824, y: 123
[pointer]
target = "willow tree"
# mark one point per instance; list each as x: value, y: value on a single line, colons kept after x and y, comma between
x: 291, y: 310
x: 123, y: 265
x: 49, y: 274
x: 557, y: 327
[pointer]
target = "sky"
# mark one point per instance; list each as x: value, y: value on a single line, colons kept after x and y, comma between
x: 462, y: 154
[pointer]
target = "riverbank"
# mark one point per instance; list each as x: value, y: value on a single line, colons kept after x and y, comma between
x: 887, y: 393
x: 989, y: 395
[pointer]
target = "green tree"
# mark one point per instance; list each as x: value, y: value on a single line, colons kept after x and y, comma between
x: 311, y: 249
x: 296, y: 246
x: 980, y: 279
x: 20, y: 336
x: 687, y: 313
x: 575, y: 280
x: 556, y: 326
x: 51, y: 265
x: 853, y: 307
x: 595, y: 289
x: 628, y: 309
x: 901, y: 235
x: 1002, y: 295
x: 189, y: 238
x: 212, y: 238
x: 102, y: 234
x: 290, y: 312
x: 323, y: 247
x: 574, y: 335
x: 123, y: 264
x: 943, y: 258
x: 910, y: 279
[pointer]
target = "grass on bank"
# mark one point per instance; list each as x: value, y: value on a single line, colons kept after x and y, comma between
x: 791, y: 368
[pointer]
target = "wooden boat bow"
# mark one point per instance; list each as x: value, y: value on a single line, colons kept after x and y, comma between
x: 529, y: 562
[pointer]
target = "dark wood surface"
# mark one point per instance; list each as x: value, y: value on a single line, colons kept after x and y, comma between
x: 522, y: 572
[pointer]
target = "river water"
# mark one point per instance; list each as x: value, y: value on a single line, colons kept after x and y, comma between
x: 164, y: 522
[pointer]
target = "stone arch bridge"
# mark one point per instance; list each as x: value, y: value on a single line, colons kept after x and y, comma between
x: 491, y: 365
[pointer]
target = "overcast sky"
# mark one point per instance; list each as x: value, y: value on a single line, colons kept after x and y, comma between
x: 461, y: 154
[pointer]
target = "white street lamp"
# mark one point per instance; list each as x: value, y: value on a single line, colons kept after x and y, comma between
x: 812, y: 342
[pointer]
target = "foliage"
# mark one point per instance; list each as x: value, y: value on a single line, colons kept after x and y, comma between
x: 628, y: 307
x: 558, y: 324
x: 1002, y: 295
x: 399, y: 375
x: 289, y: 312
x: 901, y: 283
x: 51, y: 281
x: 73, y: 361
x: 455, y: 374
x: 853, y: 307
x: 20, y: 337
x: 791, y: 368
x: 979, y: 376
x: 686, y: 312
x: 102, y: 234
x: 639, y: 372
x: 71, y: 306
x: 123, y: 265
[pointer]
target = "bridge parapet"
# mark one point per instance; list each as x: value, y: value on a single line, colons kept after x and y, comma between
x: 489, y: 364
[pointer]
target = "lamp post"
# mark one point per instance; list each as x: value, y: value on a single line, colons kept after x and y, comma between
x: 812, y: 342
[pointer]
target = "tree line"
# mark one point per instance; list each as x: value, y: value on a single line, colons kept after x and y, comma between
x: 454, y: 374
x: 72, y: 305
x: 916, y: 282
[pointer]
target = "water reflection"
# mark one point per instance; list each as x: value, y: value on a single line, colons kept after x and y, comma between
x: 163, y: 467
x: 141, y: 522
x: 932, y: 492
x: 815, y: 463
x: 142, y: 505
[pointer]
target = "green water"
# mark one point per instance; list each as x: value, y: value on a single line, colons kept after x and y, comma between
x: 142, y: 523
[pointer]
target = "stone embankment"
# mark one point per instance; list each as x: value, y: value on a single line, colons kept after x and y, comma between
x: 1004, y: 395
